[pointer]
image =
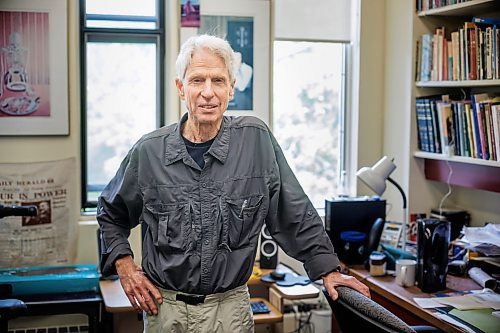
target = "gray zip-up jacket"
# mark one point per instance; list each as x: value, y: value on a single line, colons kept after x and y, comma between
x: 202, y: 225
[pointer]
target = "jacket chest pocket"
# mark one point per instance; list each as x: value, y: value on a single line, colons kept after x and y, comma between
x: 173, y: 226
x: 242, y: 219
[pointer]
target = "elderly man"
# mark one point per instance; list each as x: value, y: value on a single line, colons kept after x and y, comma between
x: 202, y: 190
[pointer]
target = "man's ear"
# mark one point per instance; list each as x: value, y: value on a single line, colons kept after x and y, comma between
x: 180, y: 88
x: 231, y: 90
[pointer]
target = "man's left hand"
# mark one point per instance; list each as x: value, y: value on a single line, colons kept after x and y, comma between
x: 335, y: 279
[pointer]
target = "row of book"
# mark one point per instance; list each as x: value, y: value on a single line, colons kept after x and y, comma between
x: 431, y: 4
x: 470, y: 53
x: 469, y: 128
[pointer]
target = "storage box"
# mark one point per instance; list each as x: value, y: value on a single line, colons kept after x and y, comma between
x: 50, y: 279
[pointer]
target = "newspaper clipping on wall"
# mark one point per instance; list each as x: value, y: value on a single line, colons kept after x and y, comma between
x: 50, y: 237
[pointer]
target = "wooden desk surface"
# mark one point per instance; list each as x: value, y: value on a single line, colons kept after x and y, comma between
x: 386, y: 287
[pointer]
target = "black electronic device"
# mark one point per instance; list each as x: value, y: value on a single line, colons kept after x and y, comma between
x: 277, y: 275
x: 268, y: 250
x: 358, y: 214
x: 259, y: 307
x: 373, y: 238
x: 457, y: 218
x: 433, y: 240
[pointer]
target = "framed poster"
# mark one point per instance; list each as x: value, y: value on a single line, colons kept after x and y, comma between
x: 245, y: 24
x: 33, y: 68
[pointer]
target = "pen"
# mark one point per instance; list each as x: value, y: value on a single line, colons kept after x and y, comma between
x: 243, y: 206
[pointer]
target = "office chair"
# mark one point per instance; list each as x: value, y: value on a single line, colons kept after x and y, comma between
x: 355, y: 313
x: 12, y: 308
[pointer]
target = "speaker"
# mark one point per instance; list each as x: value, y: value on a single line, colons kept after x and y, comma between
x: 268, y: 250
x: 433, y: 240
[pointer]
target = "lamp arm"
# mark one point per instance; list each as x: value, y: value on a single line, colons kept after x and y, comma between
x: 405, y: 217
x: 400, y: 190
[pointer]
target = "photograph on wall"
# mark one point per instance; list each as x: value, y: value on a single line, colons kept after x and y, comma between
x: 33, y: 68
x: 190, y: 13
x: 24, y: 64
x: 238, y: 31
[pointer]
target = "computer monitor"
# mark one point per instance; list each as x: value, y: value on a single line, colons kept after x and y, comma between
x: 351, y: 214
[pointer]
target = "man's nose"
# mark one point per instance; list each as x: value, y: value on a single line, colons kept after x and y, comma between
x: 207, y: 91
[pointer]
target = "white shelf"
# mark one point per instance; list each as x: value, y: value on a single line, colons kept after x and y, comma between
x: 458, y: 84
x: 468, y: 8
x: 461, y: 159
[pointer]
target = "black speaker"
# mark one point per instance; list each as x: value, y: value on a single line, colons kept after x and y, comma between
x: 433, y: 241
x: 268, y: 250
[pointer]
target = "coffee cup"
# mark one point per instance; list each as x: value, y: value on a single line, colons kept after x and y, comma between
x: 405, y: 272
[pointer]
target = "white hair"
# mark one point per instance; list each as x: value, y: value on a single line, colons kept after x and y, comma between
x: 217, y: 45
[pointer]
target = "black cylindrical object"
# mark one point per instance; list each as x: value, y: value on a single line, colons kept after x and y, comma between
x: 433, y: 241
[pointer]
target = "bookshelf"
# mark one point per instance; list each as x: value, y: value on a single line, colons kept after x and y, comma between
x: 468, y: 171
x: 467, y: 8
x: 424, y: 175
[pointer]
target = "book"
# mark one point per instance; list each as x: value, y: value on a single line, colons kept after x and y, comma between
x: 446, y: 127
x: 475, y: 103
x: 428, y: 119
x: 455, y: 39
x: 495, y: 113
x: 486, y: 20
x: 470, y: 129
x: 423, y: 134
x: 426, y: 61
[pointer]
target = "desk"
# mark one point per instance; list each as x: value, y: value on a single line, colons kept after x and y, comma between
x: 275, y: 316
x: 399, y: 300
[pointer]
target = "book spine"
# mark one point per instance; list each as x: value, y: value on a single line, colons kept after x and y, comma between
x: 428, y: 119
x: 422, y: 125
x: 470, y: 129
x: 495, y: 112
x: 477, y: 139
x: 435, y: 127
x: 465, y: 126
x: 489, y: 131
x: 481, y: 125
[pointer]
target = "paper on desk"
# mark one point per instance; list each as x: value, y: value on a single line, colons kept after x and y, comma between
x: 454, y: 322
x: 490, y: 233
x: 481, y: 319
x: 427, y: 303
x: 485, y: 299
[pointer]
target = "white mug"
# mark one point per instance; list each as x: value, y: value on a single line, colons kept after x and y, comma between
x: 406, y: 270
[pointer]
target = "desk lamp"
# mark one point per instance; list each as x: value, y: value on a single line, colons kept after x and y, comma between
x: 374, y: 177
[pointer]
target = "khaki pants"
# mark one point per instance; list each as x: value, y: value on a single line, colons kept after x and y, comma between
x: 227, y: 312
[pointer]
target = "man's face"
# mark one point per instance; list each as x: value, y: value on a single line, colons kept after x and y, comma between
x: 43, y: 208
x: 206, y: 88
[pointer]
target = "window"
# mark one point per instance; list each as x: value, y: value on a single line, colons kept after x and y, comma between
x: 308, y: 113
x: 122, y: 80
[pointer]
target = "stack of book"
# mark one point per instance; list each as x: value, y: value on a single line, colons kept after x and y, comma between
x: 470, y: 53
x: 469, y: 128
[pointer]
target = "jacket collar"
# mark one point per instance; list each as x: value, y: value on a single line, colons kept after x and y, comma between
x: 176, y: 149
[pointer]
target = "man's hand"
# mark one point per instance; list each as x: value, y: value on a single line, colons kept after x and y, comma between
x: 335, y: 279
x: 137, y: 286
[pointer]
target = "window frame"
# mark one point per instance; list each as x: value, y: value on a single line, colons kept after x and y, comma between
x: 125, y: 35
x: 344, y: 116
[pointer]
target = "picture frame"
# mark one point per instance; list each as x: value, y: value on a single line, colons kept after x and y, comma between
x: 229, y: 19
x: 33, y: 68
